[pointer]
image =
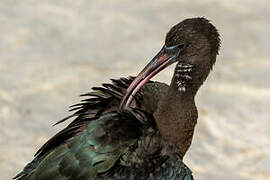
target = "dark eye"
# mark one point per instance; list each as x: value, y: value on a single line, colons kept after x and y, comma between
x: 180, y: 46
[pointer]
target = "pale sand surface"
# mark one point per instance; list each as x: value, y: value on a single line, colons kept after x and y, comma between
x: 51, y: 51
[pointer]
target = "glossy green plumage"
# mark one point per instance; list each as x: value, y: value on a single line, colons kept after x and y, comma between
x: 93, y: 151
x: 102, y: 143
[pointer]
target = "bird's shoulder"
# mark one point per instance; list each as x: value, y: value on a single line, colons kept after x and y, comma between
x: 97, y: 125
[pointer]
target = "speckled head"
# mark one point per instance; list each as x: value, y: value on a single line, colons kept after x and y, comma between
x: 194, y: 44
x: 198, y: 35
x: 202, y: 42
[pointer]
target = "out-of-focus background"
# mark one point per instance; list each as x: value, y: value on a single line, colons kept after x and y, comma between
x: 51, y: 51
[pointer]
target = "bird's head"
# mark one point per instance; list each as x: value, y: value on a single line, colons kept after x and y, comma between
x: 191, y: 43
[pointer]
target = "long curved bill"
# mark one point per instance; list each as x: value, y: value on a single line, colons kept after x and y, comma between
x: 163, y: 59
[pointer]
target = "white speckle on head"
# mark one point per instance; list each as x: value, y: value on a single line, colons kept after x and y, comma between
x: 181, y: 86
x: 179, y: 83
x: 182, y: 89
x: 182, y: 74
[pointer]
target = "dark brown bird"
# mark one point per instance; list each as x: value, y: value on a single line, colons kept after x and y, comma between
x: 135, y: 128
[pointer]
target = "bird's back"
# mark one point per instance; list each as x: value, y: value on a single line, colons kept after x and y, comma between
x: 102, y: 143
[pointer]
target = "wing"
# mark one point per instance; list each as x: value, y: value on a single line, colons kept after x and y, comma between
x: 95, y: 143
x: 92, y: 151
x: 97, y: 154
x: 98, y: 102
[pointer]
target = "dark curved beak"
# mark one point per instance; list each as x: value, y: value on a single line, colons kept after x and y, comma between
x: 165, y: 57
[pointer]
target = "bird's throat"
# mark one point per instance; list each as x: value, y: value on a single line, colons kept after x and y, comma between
x: 176, y: 117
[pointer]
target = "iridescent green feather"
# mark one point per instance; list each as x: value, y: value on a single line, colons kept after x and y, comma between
x: 100, y: 142
x: 89, y: 153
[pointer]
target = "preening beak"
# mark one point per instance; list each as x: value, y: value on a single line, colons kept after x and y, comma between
x: 163, y: 59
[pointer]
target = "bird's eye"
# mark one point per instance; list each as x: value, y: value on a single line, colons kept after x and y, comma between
x: 175, y: 48
x: 180, y: 46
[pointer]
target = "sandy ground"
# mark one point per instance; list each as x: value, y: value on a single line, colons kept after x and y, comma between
x: 51, y: 51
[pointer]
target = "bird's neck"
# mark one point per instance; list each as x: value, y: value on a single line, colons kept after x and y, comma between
x: 176, y: 116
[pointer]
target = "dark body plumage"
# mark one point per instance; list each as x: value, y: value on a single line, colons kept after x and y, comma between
x: 135, y: 128
x: 101, y: 143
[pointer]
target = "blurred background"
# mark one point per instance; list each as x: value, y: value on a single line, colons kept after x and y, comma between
x: 51, y: 51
